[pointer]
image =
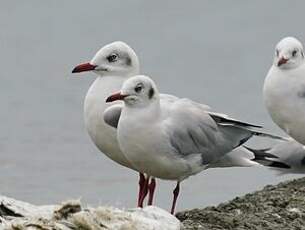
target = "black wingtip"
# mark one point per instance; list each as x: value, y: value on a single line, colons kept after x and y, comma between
x: 261, y: 154
x: 263, y: 157
x: 278, y: 164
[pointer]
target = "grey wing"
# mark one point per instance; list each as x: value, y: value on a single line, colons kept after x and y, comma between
x: 192, y: 130
x: 112, y: 115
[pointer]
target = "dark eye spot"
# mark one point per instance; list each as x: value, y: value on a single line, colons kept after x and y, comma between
x: 294, y: 53
x: 112, y: 58
x: 138, y: 88
x: 151, y: 93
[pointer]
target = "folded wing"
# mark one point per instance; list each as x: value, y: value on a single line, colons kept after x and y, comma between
x: 112, y: 115
x: 193, y: 129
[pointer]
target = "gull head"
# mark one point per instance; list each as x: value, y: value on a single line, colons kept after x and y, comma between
x: 289, y: 53
x: 137, y: 91
x: 114, y: 59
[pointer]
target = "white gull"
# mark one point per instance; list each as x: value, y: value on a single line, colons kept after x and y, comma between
x: 113, y: 64
x: 284, y: 88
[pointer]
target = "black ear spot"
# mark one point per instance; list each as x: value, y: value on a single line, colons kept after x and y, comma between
x: 294, y: 53
x: 128, y: 61
x: 151, y: 93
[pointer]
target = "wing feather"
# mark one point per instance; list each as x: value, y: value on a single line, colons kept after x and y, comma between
x: 112, y: 115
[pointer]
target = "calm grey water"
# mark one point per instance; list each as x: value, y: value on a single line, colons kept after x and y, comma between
x: 214, y: 52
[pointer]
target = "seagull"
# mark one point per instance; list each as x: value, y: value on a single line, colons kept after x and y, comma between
x: 284, y: 88
x: 171, y: 138
x: 241, y: 156
x: 113, y: 63
x: 287, y: 156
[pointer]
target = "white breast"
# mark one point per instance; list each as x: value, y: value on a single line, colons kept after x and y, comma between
x: 284, y: 97
x: 145, y: 145
x: 103, y: 136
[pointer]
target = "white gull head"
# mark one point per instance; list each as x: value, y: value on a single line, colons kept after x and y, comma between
x: 289, y: 53
x: 114, y: 59
x: 137, y: 92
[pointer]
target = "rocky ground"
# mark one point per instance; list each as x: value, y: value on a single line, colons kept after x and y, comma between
x: 275, y: 207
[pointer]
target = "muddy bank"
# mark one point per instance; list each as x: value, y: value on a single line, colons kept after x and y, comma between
x: 275, y: 207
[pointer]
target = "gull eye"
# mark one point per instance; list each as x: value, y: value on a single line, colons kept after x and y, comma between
x: 112, y: 57
x: 294, y: 53
x: 138, y: 88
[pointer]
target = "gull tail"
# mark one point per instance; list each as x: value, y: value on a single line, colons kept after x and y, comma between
x: 262, y: 157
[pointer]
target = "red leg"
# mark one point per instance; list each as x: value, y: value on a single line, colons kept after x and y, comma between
x: 141, y: 185
x: 144, y: 192
x: 176, y: 193
x: 151, y: 189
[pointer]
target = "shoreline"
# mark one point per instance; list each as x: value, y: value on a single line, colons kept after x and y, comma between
x: 279, y: 206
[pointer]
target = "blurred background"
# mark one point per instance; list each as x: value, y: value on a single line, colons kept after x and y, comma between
x: 214, y: 52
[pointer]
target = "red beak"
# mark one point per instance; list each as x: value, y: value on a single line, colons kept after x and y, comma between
x: 282, y: 61
x: 115, y: 97
x: 84, y: 67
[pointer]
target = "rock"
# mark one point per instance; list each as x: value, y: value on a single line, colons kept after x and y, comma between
x: 156, y: 218
x: 17, y: 215
x: 14, y: 208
